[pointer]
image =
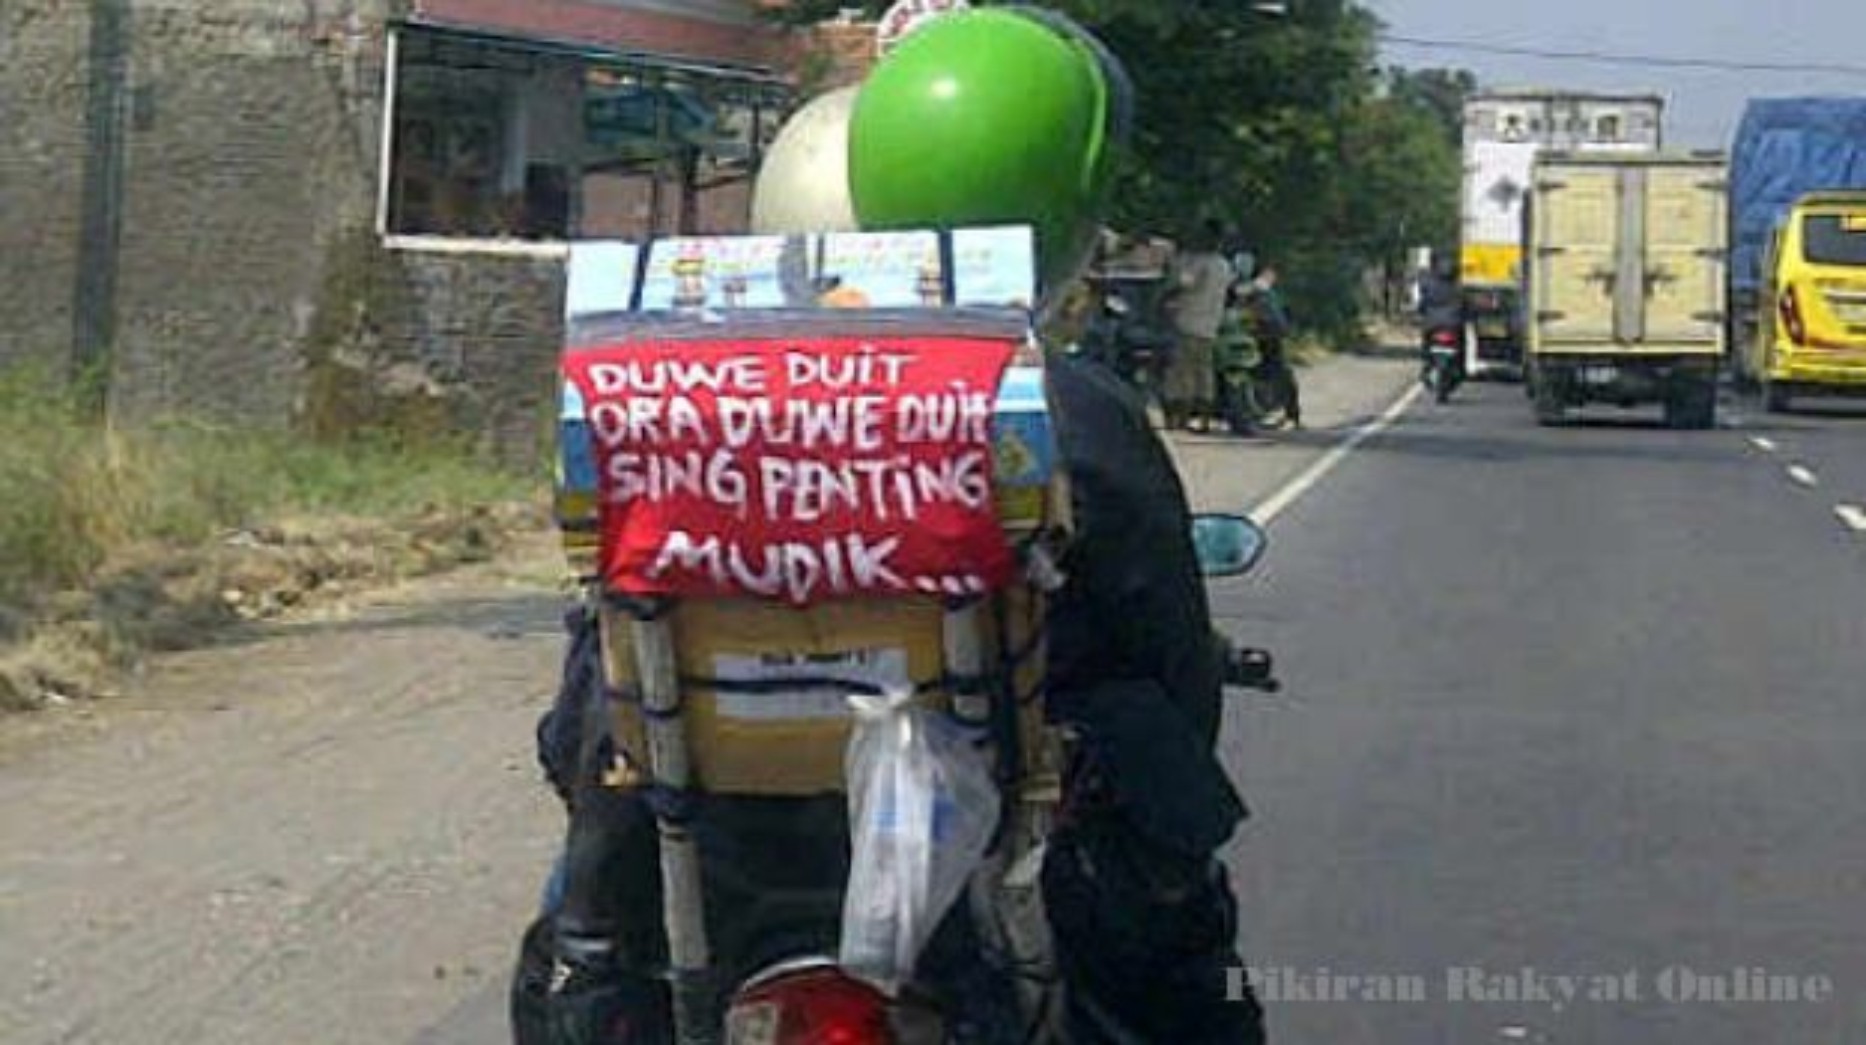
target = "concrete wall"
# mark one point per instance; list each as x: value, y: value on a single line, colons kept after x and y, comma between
x: 439, y: 342
x: 43, y: 74
x: 253, y: 151
x: 490, y: 328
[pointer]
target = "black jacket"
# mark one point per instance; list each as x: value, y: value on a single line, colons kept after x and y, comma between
x: 1441, y: 303
x: 1132, y: 653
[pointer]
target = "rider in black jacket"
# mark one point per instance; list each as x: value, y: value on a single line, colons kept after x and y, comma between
x: 1144, y: 920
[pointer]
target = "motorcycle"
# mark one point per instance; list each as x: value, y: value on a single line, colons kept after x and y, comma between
x: 807, y: 999
x: 1240, y: 394
x: 1248, y: 398
x: 775, y: 978
x: 1444, y: 363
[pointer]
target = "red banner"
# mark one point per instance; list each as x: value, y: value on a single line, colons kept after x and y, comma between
x: 800, y: 470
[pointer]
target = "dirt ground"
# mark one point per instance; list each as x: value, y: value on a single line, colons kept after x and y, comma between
x: 323, y: 831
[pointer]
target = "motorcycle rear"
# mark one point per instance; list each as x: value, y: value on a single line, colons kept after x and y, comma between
x: 1444, y: 368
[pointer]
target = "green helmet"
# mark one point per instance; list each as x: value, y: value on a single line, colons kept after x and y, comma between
x: 993, y: 116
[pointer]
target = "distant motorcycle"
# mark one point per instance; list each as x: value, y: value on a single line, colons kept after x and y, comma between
x: 1444, y: 362
x: 1248, y: 400
x: 1250, y: 397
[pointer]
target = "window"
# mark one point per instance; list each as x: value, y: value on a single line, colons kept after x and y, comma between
x: 1834, y: 239
x: 671, y: 152
x: 497, y: 138
x: 1607, y: 128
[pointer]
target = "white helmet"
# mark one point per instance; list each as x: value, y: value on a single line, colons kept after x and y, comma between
x: 803, y: 186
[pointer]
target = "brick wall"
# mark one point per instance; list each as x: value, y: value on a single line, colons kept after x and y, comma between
x: 837, y: 54
x: 254, y: 150
x: 43, y: 76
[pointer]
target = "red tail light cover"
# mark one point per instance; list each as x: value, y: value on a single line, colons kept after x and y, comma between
x: 819, y: 1006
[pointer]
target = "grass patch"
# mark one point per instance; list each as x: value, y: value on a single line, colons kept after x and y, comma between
x: 75, y: 492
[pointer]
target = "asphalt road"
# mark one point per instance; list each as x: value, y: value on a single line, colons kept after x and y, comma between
x: 1584, y: 702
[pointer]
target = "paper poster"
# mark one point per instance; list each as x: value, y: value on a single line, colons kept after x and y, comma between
x: 719, y: 273
x: 881, y: 270
x: 994, y: 267
x: 601, y: 278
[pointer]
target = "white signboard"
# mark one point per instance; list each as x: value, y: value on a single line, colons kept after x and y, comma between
x: 1496, y: 182
x: 908, y: 15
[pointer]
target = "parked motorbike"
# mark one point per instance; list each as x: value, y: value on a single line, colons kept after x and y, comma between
x: 1248, y: 398
x: 1444, y: 363
x: 1239, y: 392
x: 779, y: 981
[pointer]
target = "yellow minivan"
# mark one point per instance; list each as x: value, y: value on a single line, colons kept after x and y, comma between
x: 1812, y: 336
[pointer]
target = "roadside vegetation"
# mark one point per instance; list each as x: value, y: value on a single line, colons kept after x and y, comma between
x: 125, y: 539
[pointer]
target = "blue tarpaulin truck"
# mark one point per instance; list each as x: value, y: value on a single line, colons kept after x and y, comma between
x: 1785, y: 149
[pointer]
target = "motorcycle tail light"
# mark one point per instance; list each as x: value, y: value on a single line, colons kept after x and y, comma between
x: 1444, y: 337
x: 817, y: 1006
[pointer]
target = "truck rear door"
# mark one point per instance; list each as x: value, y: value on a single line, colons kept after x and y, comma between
x: 1683, y: 268
x: 1577, y: 231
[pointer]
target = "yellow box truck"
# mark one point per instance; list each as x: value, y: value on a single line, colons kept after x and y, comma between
x: 1624, y: 260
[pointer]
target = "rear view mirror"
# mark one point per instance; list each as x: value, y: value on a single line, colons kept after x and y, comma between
x: 1227, y: 545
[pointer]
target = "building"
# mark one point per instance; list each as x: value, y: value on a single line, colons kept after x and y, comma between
x: 340, y: 213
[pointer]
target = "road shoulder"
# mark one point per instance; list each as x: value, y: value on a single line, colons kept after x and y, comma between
x: 1340, y: 394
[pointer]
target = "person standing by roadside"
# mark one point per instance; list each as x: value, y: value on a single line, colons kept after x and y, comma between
x: 1201, y: 279
x: 1271, y: 323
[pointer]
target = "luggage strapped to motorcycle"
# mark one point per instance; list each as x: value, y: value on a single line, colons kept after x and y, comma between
x: 741, y: 605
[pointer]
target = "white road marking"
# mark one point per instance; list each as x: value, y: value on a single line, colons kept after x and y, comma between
x: 1281, y: 501
x: 1804, y: 475
x: 1767, y: 446
x: 1853, y: 515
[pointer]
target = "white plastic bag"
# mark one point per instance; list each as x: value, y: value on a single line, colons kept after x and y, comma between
x: 922, y: 810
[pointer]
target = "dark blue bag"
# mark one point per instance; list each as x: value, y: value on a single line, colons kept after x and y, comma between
x: 571, y: 735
